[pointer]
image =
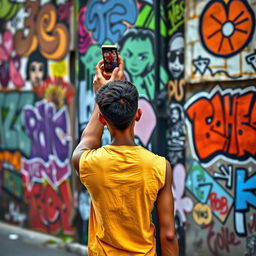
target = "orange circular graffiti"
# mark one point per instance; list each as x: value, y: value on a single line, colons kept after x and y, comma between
x: 226, y: 28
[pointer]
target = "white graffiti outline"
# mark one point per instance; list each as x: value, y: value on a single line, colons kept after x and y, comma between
x: 209, y: 95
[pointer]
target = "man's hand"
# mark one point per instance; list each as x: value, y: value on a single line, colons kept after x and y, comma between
x: 102, y: 77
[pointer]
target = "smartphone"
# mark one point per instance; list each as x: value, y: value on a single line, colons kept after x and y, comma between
x: 110, y: 57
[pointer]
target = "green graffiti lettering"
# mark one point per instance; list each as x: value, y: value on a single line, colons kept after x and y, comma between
x: 12, y: 134
x: 176, y: 14
x: 8, y: 9
x: 12, y: 182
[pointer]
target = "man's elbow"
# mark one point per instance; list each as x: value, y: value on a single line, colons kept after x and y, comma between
x: 75, y: 160
x: 168, y: 236
x: 169, y: 244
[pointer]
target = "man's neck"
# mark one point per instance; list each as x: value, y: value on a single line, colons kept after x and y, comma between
x: 125, y: 137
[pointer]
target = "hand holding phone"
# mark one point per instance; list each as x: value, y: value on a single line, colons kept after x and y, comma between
x: 110, y: 57
x: 102, y: 77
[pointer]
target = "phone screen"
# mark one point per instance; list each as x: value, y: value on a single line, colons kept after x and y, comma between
x: 110, y: 56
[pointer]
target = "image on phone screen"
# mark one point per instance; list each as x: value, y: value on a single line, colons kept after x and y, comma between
x: 110, y: 57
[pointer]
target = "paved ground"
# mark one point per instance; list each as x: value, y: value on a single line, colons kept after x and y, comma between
x: 16, y: 241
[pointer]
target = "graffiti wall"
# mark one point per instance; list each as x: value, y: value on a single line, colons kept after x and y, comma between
x: 131, y: 26
x: 175, y: 116
x: 35, y: 96
x: 220, y: 40
x: 206, y: 102
x: 221, y: 177
x: 220, y: 151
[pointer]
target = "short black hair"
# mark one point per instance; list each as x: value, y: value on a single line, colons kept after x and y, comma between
x: 118, y: 103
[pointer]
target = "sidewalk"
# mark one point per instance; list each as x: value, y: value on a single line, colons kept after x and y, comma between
x: 41, y: 238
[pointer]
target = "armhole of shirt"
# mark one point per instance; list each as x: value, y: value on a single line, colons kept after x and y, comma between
x: 81, y: 159
x: 163, y: 172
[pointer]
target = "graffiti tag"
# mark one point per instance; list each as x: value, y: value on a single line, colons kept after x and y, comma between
x: 50, y: 210
x: 223, y: 124
x: 106, y: 19
x: 220, y: 241
x: 48, y: 130
x: 12, y: 134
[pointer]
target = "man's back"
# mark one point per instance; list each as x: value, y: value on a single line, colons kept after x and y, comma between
x: 123, y: 182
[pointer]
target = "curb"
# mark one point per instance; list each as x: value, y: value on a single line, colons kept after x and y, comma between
x: 77, y: 248
x: 41, y: 238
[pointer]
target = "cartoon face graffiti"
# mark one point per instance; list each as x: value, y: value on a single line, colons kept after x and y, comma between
x: 138, y: 55
x: 37, y: 68
x: 36, y: 72
x: 176, y: 134
x: 137, y: 52
x: 176, y: 55
x: 175, y: 115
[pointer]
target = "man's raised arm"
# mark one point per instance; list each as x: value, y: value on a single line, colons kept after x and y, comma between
x: 92, y: 134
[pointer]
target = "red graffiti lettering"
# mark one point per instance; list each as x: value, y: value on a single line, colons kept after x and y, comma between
x: 219, y: 241
x: 50, y: 211
x: 224, y: 124
x: 218, y: 204
x: 252, y: 225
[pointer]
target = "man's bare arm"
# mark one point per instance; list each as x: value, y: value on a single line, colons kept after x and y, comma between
x: 91, y: 137
x: 92, y: 134
x: 165, y: 211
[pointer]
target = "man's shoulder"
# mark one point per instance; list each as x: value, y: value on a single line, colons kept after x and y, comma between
x: 149, y: 155
x: 92, y: 153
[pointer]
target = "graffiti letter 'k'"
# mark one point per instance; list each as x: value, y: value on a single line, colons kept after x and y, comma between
x: 245, y: 196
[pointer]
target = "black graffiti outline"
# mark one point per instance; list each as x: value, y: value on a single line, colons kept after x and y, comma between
x: 218, y: 154
x: 226, y: 6
x: 210, y: 70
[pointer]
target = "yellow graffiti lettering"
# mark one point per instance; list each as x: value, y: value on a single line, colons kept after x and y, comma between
x: 202, y: 214
x: 176, y: 90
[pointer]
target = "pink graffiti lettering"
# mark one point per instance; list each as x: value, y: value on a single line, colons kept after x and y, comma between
x: 37, y: 170
x: 85, y: 39
x: 218, y: 204
x: 220, y: 241
x: 10, y: 65
x: 64, y: 12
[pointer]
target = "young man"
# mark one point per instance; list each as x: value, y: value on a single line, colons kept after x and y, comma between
x: 123, y: 179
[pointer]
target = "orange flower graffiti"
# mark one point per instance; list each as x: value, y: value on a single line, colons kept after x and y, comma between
x: 226, y: 28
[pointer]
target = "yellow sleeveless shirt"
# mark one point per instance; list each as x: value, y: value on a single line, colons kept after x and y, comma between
x: 123, y: 182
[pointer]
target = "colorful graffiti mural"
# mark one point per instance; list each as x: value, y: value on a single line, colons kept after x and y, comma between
x: 221, y: 177
x: 220, y: 40
x: 222, y: 124
x: 35, y: 95
x: 210, y: 129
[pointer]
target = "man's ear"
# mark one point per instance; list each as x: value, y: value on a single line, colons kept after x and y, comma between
x: 138, y: 114
x: 102, y: 119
